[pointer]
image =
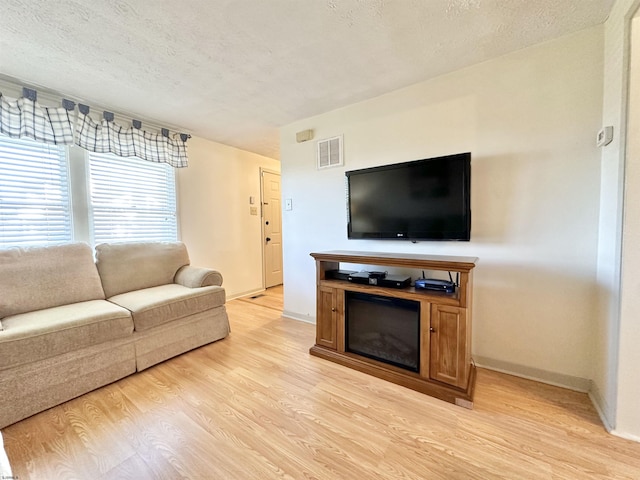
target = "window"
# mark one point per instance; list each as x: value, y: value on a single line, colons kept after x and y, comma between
x: 34, y: 193
x: 47, y: 196
x: 131, y: 199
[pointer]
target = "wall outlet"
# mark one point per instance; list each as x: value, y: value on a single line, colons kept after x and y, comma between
x: 605, y: 136
x: 253, y: 210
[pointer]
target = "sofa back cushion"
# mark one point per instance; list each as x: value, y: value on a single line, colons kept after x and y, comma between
x: 125, y: 267
x: 36, y: 278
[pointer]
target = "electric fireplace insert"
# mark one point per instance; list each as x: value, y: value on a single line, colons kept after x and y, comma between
x: 384, y: 329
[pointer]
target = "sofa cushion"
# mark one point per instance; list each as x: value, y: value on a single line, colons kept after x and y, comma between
x: 125, y: 267
x: 33, y: 336
x: 35, y: 278
x: 158, y: 305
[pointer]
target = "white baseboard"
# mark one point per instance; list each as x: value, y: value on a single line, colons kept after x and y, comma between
x: 626, y: 436
x: 578, y: 384
x: 245, y: 294
x: 298, y: 316
x: 601, y: 407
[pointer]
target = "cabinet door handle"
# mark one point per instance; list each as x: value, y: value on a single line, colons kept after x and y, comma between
x: 432, y: 330
x: 333, y: 309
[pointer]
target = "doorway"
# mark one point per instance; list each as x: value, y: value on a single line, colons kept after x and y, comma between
x: 271, y: 228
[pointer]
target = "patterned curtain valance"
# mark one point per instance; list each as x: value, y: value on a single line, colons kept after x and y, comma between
x: 109, y: 137
x: 24, y: 117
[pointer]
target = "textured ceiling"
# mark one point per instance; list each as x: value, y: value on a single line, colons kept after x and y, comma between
x: 234, y: 71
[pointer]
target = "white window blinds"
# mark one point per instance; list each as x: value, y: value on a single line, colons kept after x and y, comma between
x: 34, y: 193
x: 131, y: 199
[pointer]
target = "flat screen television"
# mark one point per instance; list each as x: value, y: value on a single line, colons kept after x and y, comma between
x: 419, y: 200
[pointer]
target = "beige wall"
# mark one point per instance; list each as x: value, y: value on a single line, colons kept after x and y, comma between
x: 530, y: 119
x: 213, y: 208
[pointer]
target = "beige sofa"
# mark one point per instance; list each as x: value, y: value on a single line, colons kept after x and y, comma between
x: 69, y: 325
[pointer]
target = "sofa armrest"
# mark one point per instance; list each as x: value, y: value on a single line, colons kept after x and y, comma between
x: 194, y: 277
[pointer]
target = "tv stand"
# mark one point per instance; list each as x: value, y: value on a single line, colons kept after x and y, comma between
x: 445, y: 367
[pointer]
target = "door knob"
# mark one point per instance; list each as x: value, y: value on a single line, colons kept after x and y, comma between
x: 268, y: 239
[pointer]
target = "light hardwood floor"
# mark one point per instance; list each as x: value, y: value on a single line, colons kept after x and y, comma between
x: 257, y: 406
x: 270, y: 298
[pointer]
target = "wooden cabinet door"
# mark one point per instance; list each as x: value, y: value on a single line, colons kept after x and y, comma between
x: 449, y: 358
x: 326, y: 318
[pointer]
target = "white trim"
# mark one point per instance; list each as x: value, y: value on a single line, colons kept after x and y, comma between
x: 600, y: 405
x: 577, y: 384
x: 249, y: 293
x: 299, y: 316
x: 626, y: 436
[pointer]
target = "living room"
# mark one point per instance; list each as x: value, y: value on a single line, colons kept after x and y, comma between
x: 553, y: 288
x: 521, y: 220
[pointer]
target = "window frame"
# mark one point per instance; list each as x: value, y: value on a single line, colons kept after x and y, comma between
x: 78, y: 178
x: 133, y: 163
x: 22, y: 155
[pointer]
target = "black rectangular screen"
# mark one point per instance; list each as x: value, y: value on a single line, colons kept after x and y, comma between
x: 383, y: 328
x: 419, y: 200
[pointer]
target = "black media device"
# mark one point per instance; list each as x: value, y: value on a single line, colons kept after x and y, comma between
x: 392, y: 281
x: 339, y: 274
x: 426, y: 199
x: 435, y: 285
x: 377, y: 274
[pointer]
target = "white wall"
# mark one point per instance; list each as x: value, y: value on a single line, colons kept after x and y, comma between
x: 608, y: 378
x: 213, y: 207
x: 628, y: 413
x: 605, y: 355
x: 529, y: 118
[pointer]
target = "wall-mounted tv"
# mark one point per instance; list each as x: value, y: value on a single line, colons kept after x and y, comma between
x: 419, y: 200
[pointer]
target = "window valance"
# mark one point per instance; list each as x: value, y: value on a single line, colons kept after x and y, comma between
x: 109, y: 137
x: 24, y: 117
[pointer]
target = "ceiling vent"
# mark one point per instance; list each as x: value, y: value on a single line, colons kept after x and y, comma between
x: 330, y: 152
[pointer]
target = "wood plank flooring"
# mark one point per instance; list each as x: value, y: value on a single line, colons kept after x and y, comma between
x: 257, y: 406
x: 270, y: 298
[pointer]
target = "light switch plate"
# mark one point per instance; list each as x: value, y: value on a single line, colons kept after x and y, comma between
x: 288, y: 204
x: 253, y: 210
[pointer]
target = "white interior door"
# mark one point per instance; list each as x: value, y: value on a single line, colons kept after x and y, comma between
x: 272, y: 228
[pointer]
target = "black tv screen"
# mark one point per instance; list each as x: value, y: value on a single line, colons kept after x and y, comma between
x: 420, y: 200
